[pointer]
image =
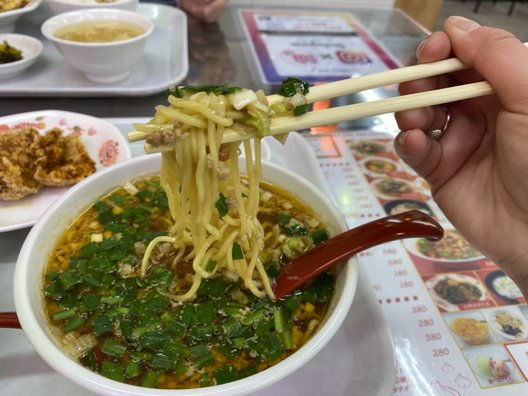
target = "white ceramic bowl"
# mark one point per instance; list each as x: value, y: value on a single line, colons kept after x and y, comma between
x: 60, y: 6
x: 40, y: 241
x: 31, y: 49
x: 107, y: 62
x: 8, y: 18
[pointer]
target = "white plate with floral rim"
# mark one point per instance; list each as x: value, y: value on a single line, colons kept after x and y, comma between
x: 104, y: 143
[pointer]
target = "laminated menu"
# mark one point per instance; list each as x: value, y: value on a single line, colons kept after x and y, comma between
x: 319, y: 46
x: 459, y: 323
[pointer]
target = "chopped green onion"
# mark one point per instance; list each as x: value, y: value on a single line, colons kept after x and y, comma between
x: 287, y: 339
x: 204, y: 381
x: 132, y: 369
x: 221, y: 205
x: 68, y: 279
x: 150, y: 379
x: 278, y: 321
x: 112, y: 370
x: 211, y: 265
x: 252, y: 317
x: 237, y: 252
x: 61, y: 315
x: 111, y: 299
x: 161, y: 361
x: 225, y: 375
x: 113, y: 348
x: 292, y: 86
x: 283, y: 218
x: 300, y: 110
x: 102, y: 206
x: 319, y: 236
x: 231, y: 326
x: 118, y: 199
x: 73, y: 323
x: 102, y: 325
x: 222, y: 89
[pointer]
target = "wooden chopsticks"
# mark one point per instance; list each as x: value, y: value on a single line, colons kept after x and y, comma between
x: 334, y: 89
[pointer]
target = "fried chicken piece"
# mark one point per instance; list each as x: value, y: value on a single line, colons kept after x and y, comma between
x: 17, y: 164
x: 62, y: 160
x: 10, y: 5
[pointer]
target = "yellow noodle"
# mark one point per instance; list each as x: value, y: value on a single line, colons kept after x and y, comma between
x: 193, y: 176
x: 204, y: 110
x: 180, y: 116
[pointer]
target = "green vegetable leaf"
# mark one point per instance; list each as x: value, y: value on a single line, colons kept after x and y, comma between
x: 237, y: 252
x: 292, y: 86
x: 222, y: 89
x: 221, y: 205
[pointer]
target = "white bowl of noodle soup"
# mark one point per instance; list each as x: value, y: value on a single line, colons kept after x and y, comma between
x: 34, y: 254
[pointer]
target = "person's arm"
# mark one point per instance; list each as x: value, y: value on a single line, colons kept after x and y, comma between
x: 478, y: 169
x: 204, y: 10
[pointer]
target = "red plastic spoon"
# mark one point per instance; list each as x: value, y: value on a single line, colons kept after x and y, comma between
x: 9, y: 320
x: 412, y: 224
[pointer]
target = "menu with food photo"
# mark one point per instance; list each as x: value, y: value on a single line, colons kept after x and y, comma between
x: 469, y: 321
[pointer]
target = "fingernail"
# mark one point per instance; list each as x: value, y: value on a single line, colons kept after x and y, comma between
x: 463, y: 24
x: 400, y: 139
x: 421, y: 46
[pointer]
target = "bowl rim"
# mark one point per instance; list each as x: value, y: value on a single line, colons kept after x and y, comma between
x: 33, y: 4
x: 48, y: 31
x: 51, y: 353
x: 32, y: 55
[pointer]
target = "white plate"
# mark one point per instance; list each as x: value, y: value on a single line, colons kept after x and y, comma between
x: 165, y: 62
x: 413, y: 191
x: 449, y: 262
x: 104, y: 143
x: 374, y: 173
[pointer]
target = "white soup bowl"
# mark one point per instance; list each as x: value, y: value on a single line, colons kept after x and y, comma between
x: 28, y: 281
x: 102, y: 62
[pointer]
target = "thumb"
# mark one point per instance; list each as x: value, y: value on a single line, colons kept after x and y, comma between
x: 496, y: 55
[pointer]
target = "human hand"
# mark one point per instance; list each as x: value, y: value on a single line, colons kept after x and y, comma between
x: 205, y: 10
x: 478, y: 169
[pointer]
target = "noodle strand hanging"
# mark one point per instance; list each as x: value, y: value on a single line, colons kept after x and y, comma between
x: 208, y: 199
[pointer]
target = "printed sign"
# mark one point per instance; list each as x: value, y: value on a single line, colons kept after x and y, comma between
x: 312, y: 47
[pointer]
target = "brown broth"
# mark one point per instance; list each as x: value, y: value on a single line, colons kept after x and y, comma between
x: 226, y: 351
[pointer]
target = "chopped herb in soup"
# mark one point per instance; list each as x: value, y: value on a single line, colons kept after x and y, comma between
x: 127, y: 328
x: 99, y: 31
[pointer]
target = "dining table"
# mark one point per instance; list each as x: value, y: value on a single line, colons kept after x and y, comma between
x: 413, y: 328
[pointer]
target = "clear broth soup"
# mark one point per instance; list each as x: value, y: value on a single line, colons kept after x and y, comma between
x: 99, y: 31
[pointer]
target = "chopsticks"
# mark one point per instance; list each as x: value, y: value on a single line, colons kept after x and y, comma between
x: 281, y: 125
